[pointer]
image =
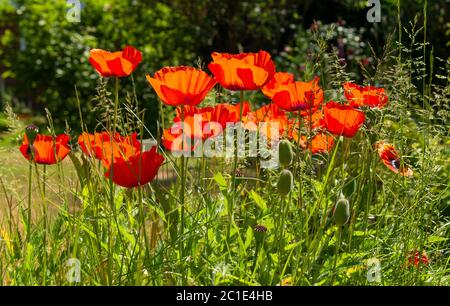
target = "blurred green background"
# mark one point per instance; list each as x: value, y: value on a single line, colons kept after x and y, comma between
x: 43, y: 55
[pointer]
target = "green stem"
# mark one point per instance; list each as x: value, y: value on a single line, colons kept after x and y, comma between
x: 235, y: 163
x: 298, y: 165
x: 111, y: 175
x: 116, y: 105
x: 44, y: 203
x: 30, y: 171
x: 182, y: 193
x: 338, y: 247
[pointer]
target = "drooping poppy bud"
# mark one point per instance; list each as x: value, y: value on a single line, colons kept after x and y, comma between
x: 285, y: 153
x: 31, y: 131
x: 285, y: 182
x: 260, y: 231
x: 341, y: 211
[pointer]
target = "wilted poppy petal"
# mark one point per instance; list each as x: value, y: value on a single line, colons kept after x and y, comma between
x: 391, y: 159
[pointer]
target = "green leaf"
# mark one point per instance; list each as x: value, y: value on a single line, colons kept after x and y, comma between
x: 248, y: 238
x: 258, y: 200
x: 220, y: 180
x: 434, y: 239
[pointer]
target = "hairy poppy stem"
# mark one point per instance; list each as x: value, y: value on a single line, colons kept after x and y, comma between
x: 111, y: 176
x: 182, y: 193
x: 235, y: 162
x: 338, y: 247
x: 44, y: 203
x: 30, y: 171
x: 299, y: 168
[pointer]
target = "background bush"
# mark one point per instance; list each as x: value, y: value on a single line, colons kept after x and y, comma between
x: 43, y: 55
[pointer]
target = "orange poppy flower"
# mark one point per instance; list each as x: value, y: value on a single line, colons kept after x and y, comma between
x: 303, y: 96
x: 365, y: 95
x: 99, y: 146
x: 172, y: 140
x: 279, y: 78
x: 195, y: 121
x: 244, y: 71
x: 321, y: 143
x: 45, y: 149
x: 315, y: 121
x: 137, y: 169
x: 342, y: 119
x: 181, y: 85
x: 293, y: 135
x: 392, y: 159
x: 115, y: 64
x: 88, y: 141
x: 222, y: 113
x: 225, y: 112
x: 269, y: 113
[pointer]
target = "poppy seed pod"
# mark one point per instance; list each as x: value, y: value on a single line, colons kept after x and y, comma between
x: 285, y: 182
x: 342, y: 211
x: 285, y: 153
x: 31, y: 131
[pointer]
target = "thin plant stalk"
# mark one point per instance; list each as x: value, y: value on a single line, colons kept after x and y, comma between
x: 235, y: 164
x: 182, y: 191
x: 30, y: 174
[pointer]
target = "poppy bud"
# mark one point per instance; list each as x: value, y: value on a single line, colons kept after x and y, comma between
x: 31, y: 131
x: 260, y: 230
x: 285, y: 182
x: 342, y: 211
x: 285, y: 153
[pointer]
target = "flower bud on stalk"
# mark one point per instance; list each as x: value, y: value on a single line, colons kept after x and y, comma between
x: 260, y: 231
x: 31, y: 131
x: 285, y: 182
x: 341, y: 211
x: 285, y: 153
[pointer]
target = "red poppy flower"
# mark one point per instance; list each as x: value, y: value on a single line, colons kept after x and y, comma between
x: 279, y: 78
x: 137, y: 169
x: 415, y: 259
x: 365, y: 95
x: 303, y: 96
x: 181, y: 85
x: 46, y: 150
x: 244, y: 71
x: 115, y: 64
x: 392, y: 159
x: 99, y: 145
x: 342, y: 119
